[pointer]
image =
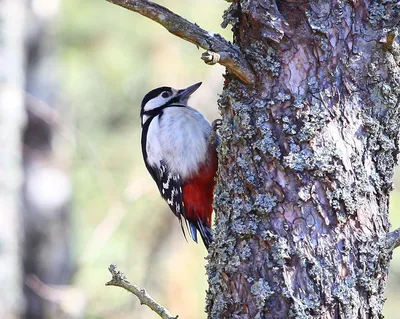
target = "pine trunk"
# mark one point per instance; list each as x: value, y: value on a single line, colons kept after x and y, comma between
x: 306, y: 161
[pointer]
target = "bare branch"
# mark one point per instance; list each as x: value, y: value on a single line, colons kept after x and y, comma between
x: 210, y: 57
x: 119, y: 280
x: 230, y: 56
x: 393, y: 239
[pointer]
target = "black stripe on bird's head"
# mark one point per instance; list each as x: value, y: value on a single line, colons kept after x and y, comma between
x: 162, y: 97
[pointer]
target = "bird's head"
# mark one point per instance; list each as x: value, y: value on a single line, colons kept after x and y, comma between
x: 165, y: 96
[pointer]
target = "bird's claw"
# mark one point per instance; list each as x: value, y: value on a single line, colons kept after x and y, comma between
x: 216, y: 124
x: 213, y: 139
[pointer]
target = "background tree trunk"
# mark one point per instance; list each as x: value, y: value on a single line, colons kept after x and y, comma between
x: 35, y: 230
x: 12, y: 31
x: 47, y: 190
x: 306, y: 161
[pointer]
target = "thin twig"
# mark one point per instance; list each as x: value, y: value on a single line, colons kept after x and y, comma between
x: 119, y: 280
x: 393, y: 240
x: 229, y: 55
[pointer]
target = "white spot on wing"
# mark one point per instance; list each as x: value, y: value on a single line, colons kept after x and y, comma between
x: 166, y: 184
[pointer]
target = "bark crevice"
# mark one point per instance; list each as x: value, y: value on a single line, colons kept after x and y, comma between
x: 306, y: 164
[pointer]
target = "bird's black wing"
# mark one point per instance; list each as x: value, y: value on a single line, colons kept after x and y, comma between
x: 170, y: 187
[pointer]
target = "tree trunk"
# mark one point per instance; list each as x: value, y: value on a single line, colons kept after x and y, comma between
x: 306, y: 161
x: 11, y: 124
x: 47, y: 190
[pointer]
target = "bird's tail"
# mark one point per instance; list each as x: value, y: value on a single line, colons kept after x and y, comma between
x: 204, y: 230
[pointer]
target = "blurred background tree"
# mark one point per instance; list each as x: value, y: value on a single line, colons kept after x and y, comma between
x: 47, y: 257
x: 12, y: 77
x: 87, y: 66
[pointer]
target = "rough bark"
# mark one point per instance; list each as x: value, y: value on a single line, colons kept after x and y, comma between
x: 306, y: 161
x: 11, y: 124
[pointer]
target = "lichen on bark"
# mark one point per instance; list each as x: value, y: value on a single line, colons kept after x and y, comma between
x: 306, y: 162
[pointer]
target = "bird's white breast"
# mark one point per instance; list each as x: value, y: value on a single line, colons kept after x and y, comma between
x: 179, y: 137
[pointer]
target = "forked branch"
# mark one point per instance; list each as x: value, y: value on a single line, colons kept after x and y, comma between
x: 229, y: 55
x: 119, y: 280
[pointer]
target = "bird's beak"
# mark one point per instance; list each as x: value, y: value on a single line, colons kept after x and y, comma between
x: 184, y: 94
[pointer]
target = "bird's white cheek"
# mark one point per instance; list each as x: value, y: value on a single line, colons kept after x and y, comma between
x: 154, y: 103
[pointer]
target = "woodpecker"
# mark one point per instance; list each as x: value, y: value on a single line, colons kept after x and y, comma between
x: 179, y: 151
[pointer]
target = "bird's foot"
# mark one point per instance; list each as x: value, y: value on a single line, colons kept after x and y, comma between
x: 213, y: 139
x: 216, y: 124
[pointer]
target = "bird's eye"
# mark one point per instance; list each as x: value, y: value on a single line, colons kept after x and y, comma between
x: 165, y: 95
